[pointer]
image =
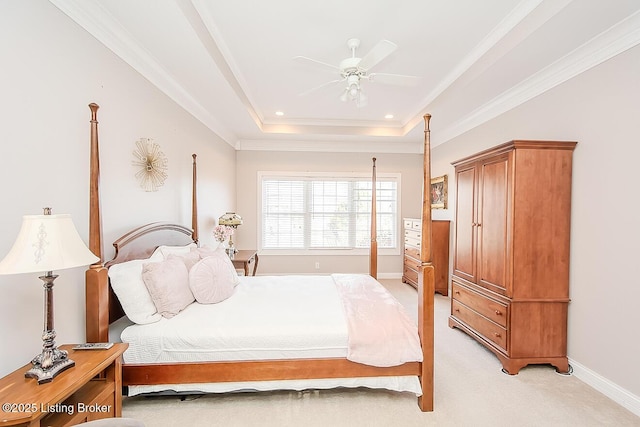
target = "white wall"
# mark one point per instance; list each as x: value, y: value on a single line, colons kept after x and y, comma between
x: 51, y: 71
x: 599, y: 109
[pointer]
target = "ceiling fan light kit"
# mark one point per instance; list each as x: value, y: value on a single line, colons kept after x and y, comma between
x: 353, y: 70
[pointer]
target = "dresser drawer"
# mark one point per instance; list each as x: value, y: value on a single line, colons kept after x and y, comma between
x: 483, y: 326
x: 412, y: 242
x: 489, y: 308
x: 412, y: 224
x: 410, y: 251
x: 409, y: 272
x: 412, y: 263
x: 413, y: 234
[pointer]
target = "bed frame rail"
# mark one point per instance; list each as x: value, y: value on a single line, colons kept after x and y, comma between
x: 260, y: 370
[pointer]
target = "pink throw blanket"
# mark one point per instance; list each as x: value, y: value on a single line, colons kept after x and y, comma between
x: 380, y: 331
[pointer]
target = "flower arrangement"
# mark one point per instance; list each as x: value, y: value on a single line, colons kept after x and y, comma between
x: 222, y: 232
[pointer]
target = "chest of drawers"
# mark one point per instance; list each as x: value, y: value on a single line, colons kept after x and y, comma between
x: 440, y: 253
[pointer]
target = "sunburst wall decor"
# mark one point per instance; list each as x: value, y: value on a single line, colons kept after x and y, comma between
x: 152, y: 164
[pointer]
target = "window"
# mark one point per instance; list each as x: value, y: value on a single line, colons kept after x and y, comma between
x: 322, y: 212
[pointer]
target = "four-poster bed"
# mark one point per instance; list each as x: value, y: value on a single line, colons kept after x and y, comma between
x: 103, y: 308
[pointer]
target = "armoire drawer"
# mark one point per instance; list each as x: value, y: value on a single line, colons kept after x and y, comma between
x: 483, y: 326
x: 489, y: 308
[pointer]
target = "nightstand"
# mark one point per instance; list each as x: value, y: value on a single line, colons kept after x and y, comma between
x: 90, y: 390
x: 244, y: 259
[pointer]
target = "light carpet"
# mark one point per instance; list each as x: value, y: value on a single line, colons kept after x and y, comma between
x: 470, y: 390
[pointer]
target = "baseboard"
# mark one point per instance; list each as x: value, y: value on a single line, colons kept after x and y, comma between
x: 389, y: 275
x: 606, y: 387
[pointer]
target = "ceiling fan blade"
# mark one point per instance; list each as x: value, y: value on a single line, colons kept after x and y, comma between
x: 393, y: 79
x: 379, y: 52
x: 313, y: 89
x: 316, y: 64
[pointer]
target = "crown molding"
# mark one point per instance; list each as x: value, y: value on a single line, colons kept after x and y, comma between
x: 497, y: 34
x: 100, y: 24
x: 97, y: 21
x: 611, y: 42
x: 321, y: 146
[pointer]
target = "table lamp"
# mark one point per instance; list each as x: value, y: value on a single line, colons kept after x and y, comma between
x: 46, y: 243
x: 233, y: 220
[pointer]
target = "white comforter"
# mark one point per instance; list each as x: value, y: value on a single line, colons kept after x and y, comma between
x: 268, y: 317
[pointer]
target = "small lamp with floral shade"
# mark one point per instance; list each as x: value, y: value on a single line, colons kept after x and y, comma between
x: 231, y: 220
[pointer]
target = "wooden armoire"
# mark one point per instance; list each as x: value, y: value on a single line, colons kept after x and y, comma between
x: 510, y: 278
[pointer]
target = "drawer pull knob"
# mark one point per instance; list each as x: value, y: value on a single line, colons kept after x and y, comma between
x: 498, y: 313
x: 497, y: 334
x: 457, y: 292
x: 457, y: 310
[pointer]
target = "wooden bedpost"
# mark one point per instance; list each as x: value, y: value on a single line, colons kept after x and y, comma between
x: 95, y: 222
x: 373, y: 250
x: 426, y: 279
x: 194, y: 202
x: 96, y: 279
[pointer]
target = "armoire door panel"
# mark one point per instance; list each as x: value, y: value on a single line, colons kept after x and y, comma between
x: 493, y: 217
x: 464, y: 263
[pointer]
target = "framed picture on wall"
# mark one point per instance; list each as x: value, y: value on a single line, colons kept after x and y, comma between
x: 439, y: 192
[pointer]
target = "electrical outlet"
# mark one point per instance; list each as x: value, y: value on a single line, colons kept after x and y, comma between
x: 317, y: 265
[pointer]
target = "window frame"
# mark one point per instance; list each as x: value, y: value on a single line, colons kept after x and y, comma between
x: 337, y: 176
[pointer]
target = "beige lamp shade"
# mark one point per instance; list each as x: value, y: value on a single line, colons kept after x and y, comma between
x: 230, y: 218
x: 46, y: 243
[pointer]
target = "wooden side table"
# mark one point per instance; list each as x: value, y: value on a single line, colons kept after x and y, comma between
x: 244, y: 258
x: 90, y: 390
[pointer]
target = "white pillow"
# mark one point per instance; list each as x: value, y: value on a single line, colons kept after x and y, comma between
x: 213, y: 279
x: 126, y: 281
x: 168, y: 285
x: 174, y: 250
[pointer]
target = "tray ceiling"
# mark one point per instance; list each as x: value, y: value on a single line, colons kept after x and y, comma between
x: 230, y: 63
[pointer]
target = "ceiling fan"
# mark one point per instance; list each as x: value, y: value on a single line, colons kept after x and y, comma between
x: 354, y: 70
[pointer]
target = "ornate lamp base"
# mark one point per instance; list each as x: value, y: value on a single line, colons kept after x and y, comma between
x: 51, y: 361
x: 48, y: 364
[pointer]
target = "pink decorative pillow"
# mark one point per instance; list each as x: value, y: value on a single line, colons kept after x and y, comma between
x: 189, y: 259
x: 205, y: 251
x: 213, y: 279
x: 219, y: 252
x: 168, y: 285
